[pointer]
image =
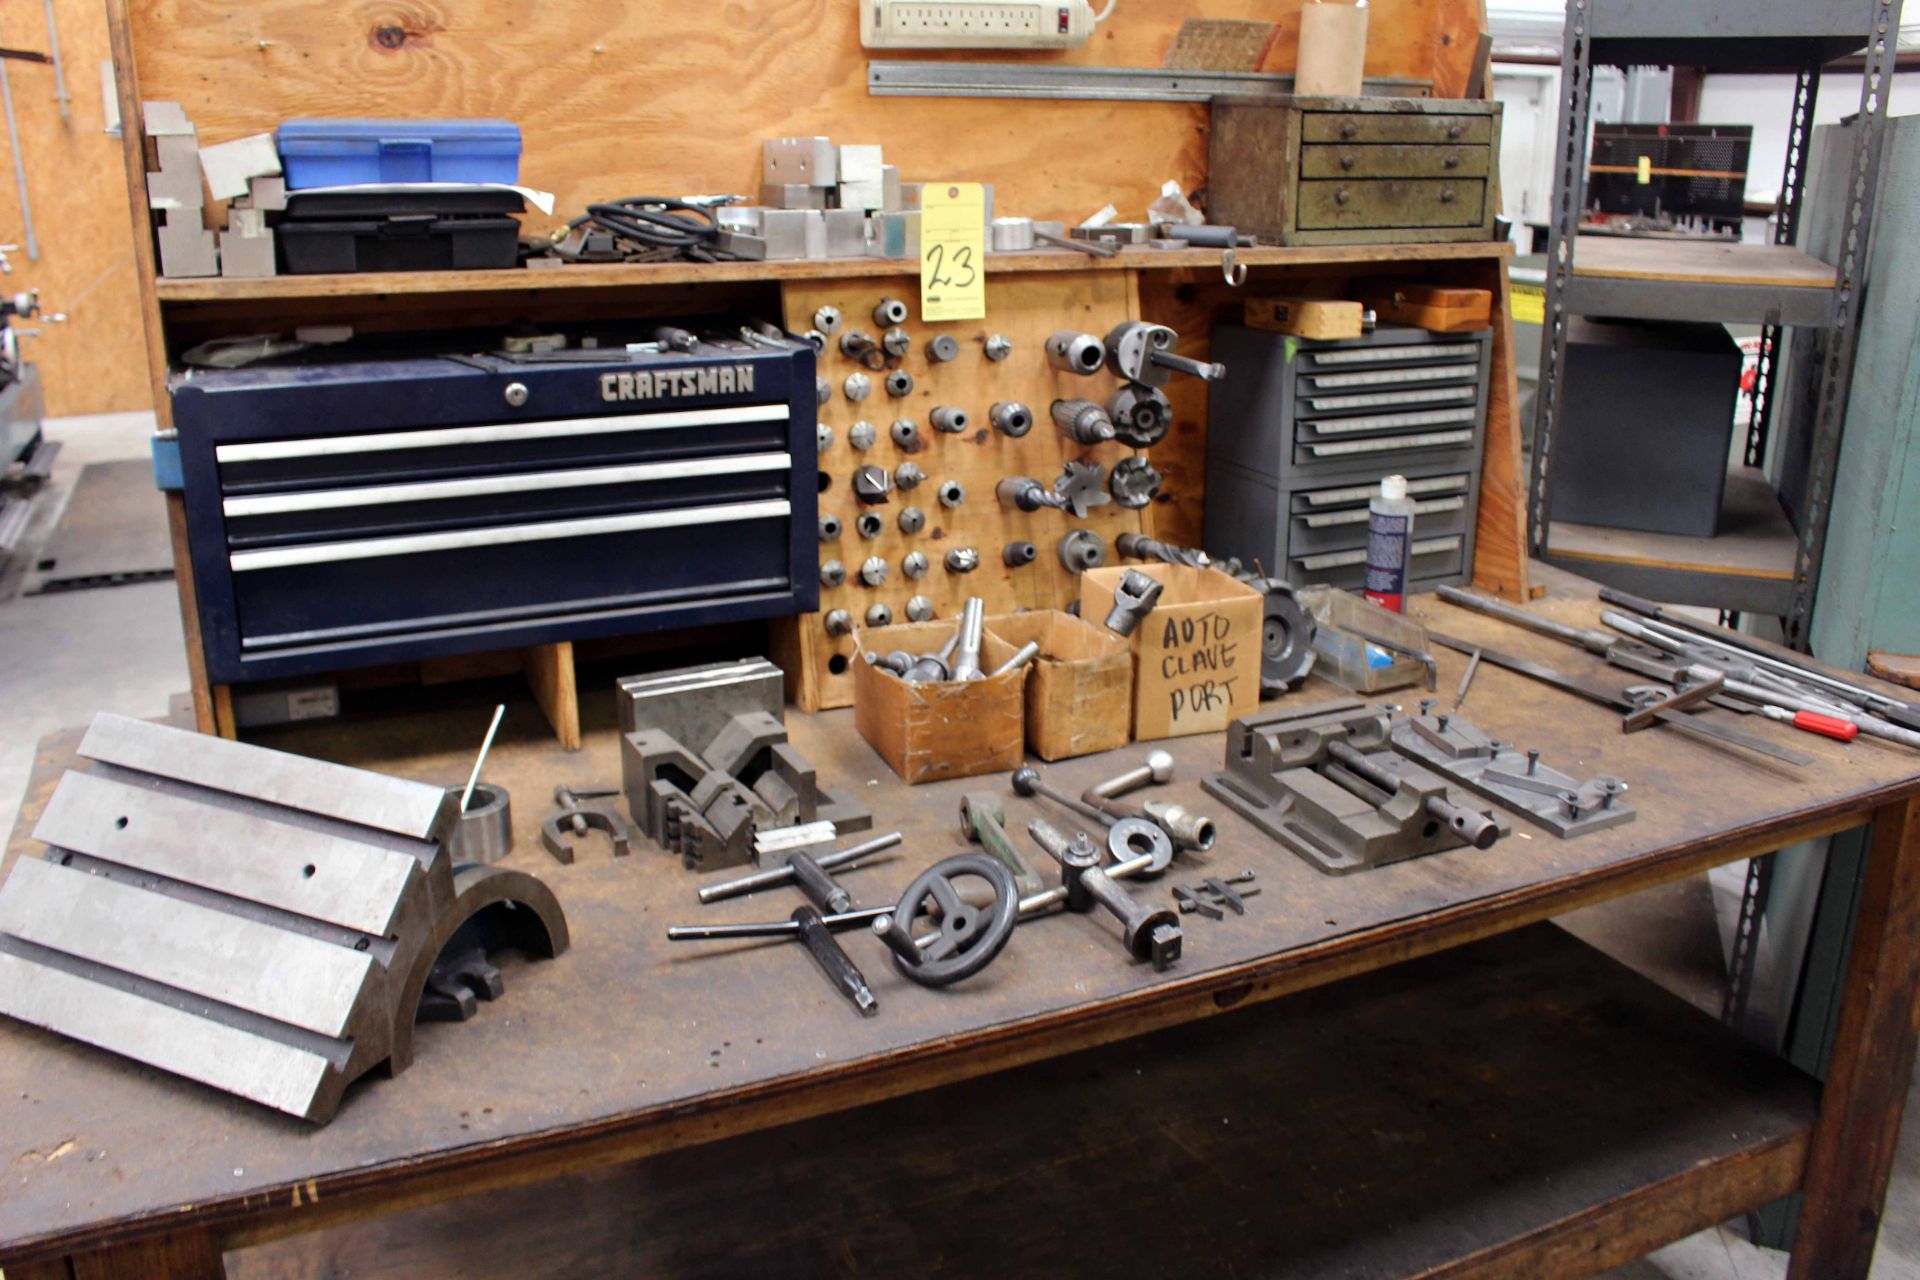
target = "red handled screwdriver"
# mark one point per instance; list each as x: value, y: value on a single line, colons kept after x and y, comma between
x: 1814, y: 722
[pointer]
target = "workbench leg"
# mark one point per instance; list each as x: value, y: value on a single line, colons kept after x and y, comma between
x: 1873, y: 1055
x: 185, y: 1255
x: 1500, y: 528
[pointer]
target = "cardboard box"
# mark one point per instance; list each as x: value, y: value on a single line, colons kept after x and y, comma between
x: 1305, y: 317
x: 1196, y: 656
x: 927, y: 732
x: 1080, y: 692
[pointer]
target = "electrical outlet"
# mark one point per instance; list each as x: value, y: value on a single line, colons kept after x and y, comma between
x: 973, y: 24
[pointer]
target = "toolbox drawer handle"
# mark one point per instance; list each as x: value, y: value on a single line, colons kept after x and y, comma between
x: 441, y: 437
x: 1341, y: 559
x: 417, y: 544
x: 1446, y: 195
x: 1348, y: 128
x: 1346, y: 159
x: 373, y: 495
x: 1451, y: 162
x: 1341, y: 196
x: 1455, y: 130
x: 1388, y: 444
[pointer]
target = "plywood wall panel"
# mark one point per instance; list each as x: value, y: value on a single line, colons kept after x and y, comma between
x: 620, y: 99
x: 94, y: 363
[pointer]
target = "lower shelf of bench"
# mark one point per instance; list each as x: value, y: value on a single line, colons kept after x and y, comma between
x: 1520, y: 1106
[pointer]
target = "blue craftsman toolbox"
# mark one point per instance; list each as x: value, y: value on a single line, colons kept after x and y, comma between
x: 317, y: 152
x: 348, y: 512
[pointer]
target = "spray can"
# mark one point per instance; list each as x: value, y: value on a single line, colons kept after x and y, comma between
x: 1389, y: 544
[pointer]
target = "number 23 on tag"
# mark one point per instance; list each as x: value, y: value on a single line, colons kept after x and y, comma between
x: 953, y: 251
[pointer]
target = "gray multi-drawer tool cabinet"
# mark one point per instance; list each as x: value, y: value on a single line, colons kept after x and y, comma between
x: 1301, y: 431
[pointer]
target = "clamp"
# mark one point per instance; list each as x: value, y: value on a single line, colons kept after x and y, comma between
x: 552, y: 831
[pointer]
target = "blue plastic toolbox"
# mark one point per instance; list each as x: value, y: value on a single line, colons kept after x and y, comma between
x: 347, y: 513
x: 329, y: 153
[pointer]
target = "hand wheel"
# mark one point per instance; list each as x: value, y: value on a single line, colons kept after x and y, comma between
x: 968, y: 938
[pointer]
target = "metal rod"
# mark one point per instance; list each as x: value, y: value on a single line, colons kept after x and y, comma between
x: 1022, y: 656
x: 1868, y: 723
x: 783, y: 874
x: 60, y: 94
x: 1090, y: 247
x: 1675, y: 720
x: 486, y: 745
x: 771, y: 929
x: 1592, y: 641
x: 19, y: 167
x: 1031, y: 905
x: 1466, y: 680
x: 1475, y: 828
x: 1686, y: 631
x: 1035, y: 903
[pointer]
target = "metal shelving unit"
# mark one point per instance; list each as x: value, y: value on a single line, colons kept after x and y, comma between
x: 1775, y: 286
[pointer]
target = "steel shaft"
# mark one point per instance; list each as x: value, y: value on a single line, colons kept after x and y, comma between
x: 1476, y: 829
x: 1157, y: 768
x: 1592, y: 641
x: 1028, y: 782
x: 783, y: 875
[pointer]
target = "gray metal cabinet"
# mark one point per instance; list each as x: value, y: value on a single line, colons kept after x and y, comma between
x: 1301, y: 434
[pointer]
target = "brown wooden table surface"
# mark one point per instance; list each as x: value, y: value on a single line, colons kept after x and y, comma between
x: 629, y: 1045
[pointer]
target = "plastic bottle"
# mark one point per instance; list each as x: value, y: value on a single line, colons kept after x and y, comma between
x: 1389, y: 544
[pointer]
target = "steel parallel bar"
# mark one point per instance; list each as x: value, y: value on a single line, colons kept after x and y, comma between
x: 364, y: 798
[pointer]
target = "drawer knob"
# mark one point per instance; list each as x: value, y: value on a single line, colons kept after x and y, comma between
x: 1454, y: 131
x: 1348, y: 128
x: 516, y: 394
x: 1340, y: 196
x: 1346, y: 161
x: 1451, y: 162
x: 1446, y: 195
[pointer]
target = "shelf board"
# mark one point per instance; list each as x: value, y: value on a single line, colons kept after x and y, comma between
x: 1521, y: 1105
x: 1699, y: 261
x: 1747, y: 566
x: 1724, y: 35
x: 216, y: 289
x: 1708, y: 280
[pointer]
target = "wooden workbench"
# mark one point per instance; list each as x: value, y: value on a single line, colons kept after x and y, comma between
x: 1518, y: 1106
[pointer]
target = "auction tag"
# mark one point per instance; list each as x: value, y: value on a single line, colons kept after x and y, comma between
x: 953, y: 251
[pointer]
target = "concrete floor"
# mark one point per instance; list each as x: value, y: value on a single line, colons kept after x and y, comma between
x: 64, y: 657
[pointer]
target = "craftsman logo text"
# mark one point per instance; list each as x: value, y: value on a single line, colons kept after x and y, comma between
x: 709, y: 380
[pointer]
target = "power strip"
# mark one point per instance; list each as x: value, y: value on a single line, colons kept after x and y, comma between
x: 971, y: 24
